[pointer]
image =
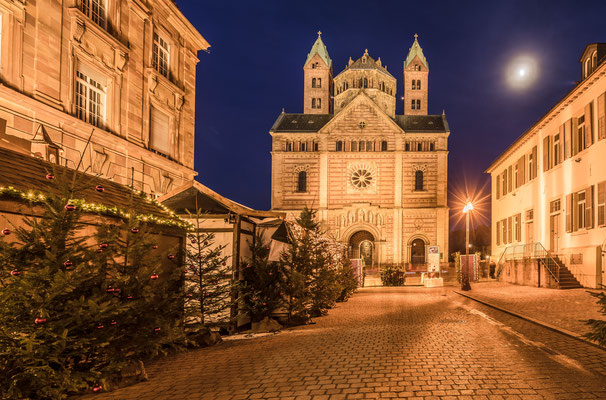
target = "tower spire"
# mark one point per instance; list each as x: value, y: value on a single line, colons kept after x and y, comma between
x: 416, y: 51
x: 319, y: 48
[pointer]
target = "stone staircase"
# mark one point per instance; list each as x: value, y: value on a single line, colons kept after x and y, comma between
x: 567, y: 279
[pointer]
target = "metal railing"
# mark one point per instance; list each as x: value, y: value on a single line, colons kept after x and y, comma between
x: 528, y: 252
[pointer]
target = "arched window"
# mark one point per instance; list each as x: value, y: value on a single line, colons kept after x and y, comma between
x: 365, y: 82
x: 384, y: 145
x: 587, y: 67
x: 412, y: 104
x: 354, y: 145
x: 418, y: 180
x: 319, y: 103
x: 303, y: 146
x: 369, y: 146
x: 414, y: 84
x: 313, y: 82
x: 407, y: 147
x: 288, y: 146
x: 302, y: 182
x: 313, y: 103
x: 432, y: 146
x: 361, y: 83
x: 316, y: 146
x: 361, y: 145
x: 594, y: 60
x: 339, y: 145
x: 418, y: 84
x: 419, y: 147
x: 319, y: 83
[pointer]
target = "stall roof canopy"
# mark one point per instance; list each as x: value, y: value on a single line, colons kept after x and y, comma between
x: 197, y: 196
x: 26, y: 173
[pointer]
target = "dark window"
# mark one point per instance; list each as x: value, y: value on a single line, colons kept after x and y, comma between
x: 303, y: 146
x: 414, y: 84
x: 339, y: 145
x: 313, y: 103
x: 412, y: 104
x: 313, y: 82
x: 384, y: 145
x: 418, y: 180
x: 302, y: 182
x: 288, y: 146
x: 432, y: 147
x: 419, y: 147
x: 365, y: 82
x: 418, y: 84
x: 418, y: 104
x: 354, y: 146
x: 407, y: 147
x: 316, y: 146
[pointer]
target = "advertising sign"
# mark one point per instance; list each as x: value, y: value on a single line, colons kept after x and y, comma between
x: 433, y: 256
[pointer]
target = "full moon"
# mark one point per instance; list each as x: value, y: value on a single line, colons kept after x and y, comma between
x: 521, y: 72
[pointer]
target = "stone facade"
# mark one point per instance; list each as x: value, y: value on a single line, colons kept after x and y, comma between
x: 549, y: 186
x: 377, y: 179
x: 120, y: 73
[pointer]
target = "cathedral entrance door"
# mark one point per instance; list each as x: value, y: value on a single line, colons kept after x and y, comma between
x: 361, y: 245
x: 417, y: 252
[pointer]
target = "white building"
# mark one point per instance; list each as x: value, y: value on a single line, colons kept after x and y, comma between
x: 549, y: 189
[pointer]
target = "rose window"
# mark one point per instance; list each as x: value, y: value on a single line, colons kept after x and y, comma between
x: 361, y: 178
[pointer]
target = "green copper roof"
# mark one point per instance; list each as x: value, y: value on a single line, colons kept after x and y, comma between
x: 416, y: 50
x: 320, y: 49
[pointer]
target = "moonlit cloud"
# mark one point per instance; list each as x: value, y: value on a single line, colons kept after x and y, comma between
x: 522, y: 71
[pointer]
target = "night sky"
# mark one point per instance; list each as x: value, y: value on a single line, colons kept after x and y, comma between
x: 254, y: 68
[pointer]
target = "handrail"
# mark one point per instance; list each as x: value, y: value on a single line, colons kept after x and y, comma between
x: 529, y: 251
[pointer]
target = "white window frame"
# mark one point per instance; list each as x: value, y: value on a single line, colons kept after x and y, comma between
x: 161, y: 55
x: 90, y: 97
x: 162, y: 151
x: 581, y: 204
x: 601, y: 203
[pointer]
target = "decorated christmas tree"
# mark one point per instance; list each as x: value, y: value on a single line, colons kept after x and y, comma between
x: 207, y: 280
x: 77, y: 305
x: 261, y: 289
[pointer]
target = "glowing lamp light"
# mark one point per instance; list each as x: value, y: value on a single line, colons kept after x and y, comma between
x: 468, y: 207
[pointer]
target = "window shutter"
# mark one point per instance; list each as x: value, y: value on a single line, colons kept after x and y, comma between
x: 509, y: 179
x: 589, y: 215
x: 602, y: 116
x: 568, y: 139
x: 521, y: 170
x: 575, y: 137
x: 562, y: 143
x: 575, y: 212
x: 569, y: 213
x: 601, y: 203
x: 509, y: 230
x: 589, y: 124
x: 159, y: 135
x: 535, y: 163
x: 518, y: 227
x: 546, y: 153
x: 498, y: 233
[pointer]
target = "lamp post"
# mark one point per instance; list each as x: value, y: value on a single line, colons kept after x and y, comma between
x: 465, y: 271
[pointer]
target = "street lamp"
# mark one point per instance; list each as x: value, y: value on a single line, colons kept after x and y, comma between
x: 464, y: 271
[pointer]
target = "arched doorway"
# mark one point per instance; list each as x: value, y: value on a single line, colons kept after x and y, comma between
x: 417, y: 252
x: 362, y: 245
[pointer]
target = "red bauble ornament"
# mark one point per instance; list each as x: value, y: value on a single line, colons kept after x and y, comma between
x: 188, y: 295
x: 129, y: 297
x: 170, y: 256
x: 70, y: 207
x: 6, y: 231
x: 99, y: 188
x: 154, y: 276
x: 281, y: 294
x: 100, y: 326
x: 68, y: 263
x: 194, y: 241
x: 200, y: 256
x: 99, y: 250
x: 205, y: 243
x: 113, y: 323
x: 97, y: 388
x: 15, y: 273
x: 40, y: 321
x: 156, y: 329
x: 103, y: 245
x: 134, y: 230
x: 224, y: 263
x: 155, y: 246
x: 50, y: 177
x: 271, y: 273
x: 264, y: 304
x: 267, y: 248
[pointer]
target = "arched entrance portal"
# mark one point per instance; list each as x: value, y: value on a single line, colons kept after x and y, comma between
x: 417, y: 252
x: 362, y: 245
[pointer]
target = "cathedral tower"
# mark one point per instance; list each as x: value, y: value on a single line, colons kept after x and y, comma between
x: 416, y: 74
x: 317, y: 80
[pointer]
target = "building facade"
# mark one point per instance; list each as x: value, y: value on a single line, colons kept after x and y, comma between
x: 108, y: 82
x: 549, y: 186
x: 377, y: 179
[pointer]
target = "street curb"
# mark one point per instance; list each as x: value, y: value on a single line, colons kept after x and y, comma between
x: 534, y: 321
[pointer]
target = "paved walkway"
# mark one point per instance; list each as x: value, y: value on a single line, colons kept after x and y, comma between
x: 414, y: 343
x: 566, y: 309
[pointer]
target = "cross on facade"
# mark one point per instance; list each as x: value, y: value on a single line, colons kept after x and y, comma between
x: 416, y: 36
x: 319, y: 33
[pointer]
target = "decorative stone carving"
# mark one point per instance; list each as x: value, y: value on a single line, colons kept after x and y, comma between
x: 121, y: 58
x: 179, y: 101
x: 79, y: 29
x: 152, y: 82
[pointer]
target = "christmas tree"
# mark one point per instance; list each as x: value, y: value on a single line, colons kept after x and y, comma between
x: 207, y: 280
x: 598, y: 326
x: 261, y: 286
x: 76, y: 306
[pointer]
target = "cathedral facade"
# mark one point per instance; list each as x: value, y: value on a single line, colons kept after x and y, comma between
x: 378, y: 180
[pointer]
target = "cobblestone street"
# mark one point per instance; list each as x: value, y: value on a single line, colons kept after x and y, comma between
x: 413, y: 343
